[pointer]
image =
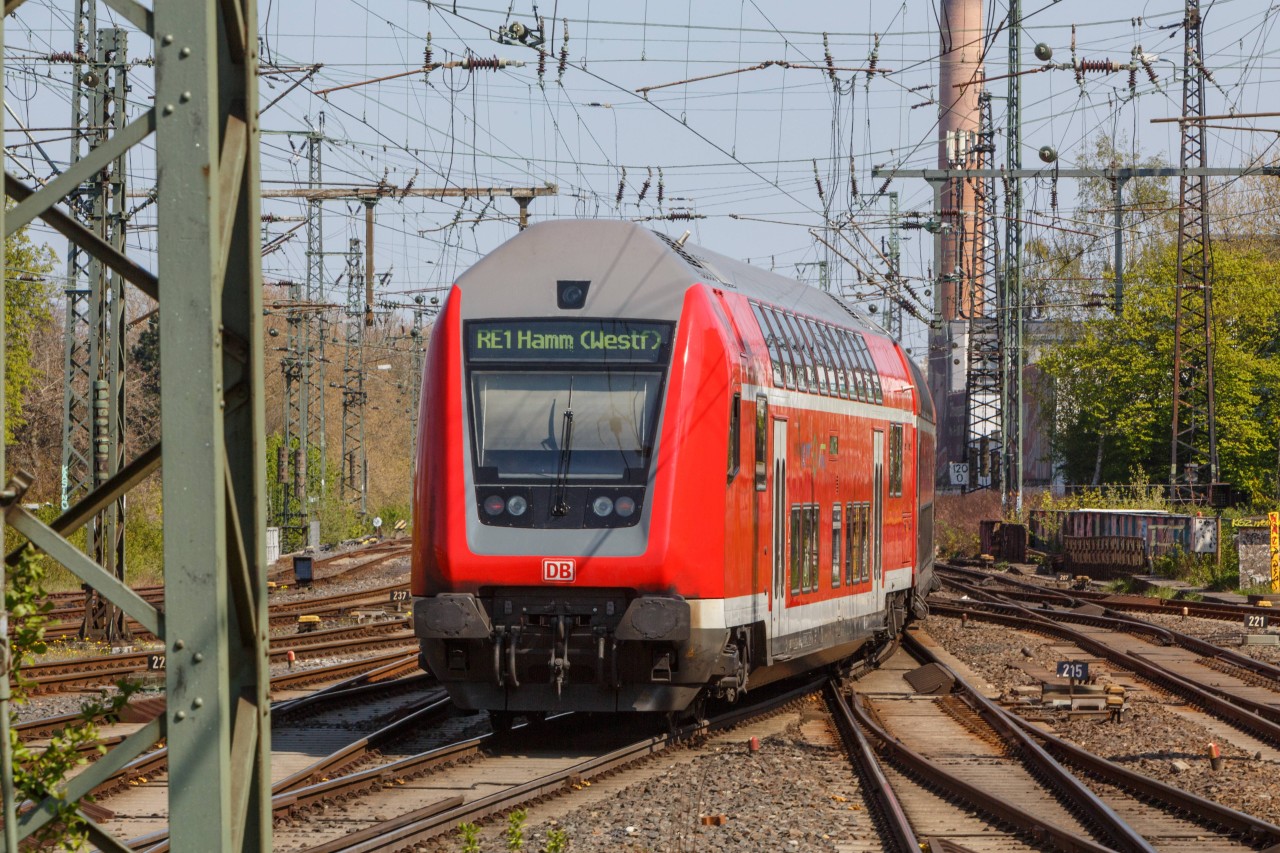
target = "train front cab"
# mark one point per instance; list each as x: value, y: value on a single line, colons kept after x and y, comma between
x: 639, y: 624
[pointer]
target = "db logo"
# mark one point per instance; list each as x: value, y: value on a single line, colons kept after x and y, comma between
x: 558, y: 571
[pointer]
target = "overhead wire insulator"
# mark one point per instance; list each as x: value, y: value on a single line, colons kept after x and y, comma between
x: 542, y: 68
x: 1145, y: 61
x: 831, y: 63
x: 564, y: 53
x: 875, y: 56
x: 853, y: 184
x: 644, y: 188
x: 822, y: 196
x: 622, y: 185
x: 491, y: 63
x: 426, y: 58
x: 662, y: 189
x: 884, y: 187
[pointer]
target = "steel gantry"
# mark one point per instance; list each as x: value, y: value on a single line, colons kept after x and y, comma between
x: 984, y: 379
x: 355, y: 476
x: 94, y: 333
x: 208, y: 284
x: 1010, y: 308
x: 1193, y: 466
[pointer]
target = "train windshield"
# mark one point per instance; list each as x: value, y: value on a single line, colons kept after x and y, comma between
x: 579, y: 424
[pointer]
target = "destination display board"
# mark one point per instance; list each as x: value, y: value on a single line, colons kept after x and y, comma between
x: 613, y: 341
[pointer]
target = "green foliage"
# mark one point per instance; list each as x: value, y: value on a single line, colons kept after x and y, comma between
x: 514, y: 833
x: 1113, y: 386
x: 952, y: 541
x: 557, y: 841
x: 27, y: 300
x: 40, y: 774
x: 469, y: 835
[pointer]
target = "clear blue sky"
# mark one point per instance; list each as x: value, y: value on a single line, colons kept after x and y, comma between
x: 739, y: 149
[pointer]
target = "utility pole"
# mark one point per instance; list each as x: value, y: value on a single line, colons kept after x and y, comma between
x: 1010, y: 304
x: 93, y: 427
x: 1193, y: 467
x: 354, y: 470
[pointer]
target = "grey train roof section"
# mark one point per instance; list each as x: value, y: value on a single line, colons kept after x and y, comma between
x: 634, y: 272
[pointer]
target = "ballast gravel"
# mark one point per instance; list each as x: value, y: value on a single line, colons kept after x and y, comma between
x: 1155, y: 736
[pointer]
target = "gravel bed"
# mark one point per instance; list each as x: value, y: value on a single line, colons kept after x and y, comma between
x: 799, y: 792
x: 1151, y: 738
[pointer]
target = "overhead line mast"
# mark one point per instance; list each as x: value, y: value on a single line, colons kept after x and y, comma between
x: 1193, y: 468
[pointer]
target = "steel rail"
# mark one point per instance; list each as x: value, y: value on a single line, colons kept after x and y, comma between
x: 1262, y: 709
x: 1172, y: 607
x: 874, y: 783
x: 410, y: 829
x: 1204, y: 811
x: 1173, y: 637
x: 988, y: 803
x: 1253, y: 717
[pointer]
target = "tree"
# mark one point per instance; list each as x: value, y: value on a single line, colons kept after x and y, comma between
x: 27, y: 298
x: 1113, y: 376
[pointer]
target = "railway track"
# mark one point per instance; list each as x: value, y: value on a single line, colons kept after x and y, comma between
x: 1135, y: 603
x: 1251, y: 705
x: 67, y: 613
x: 77, y: 673
x: 433, y: 790
x: 963, y: 746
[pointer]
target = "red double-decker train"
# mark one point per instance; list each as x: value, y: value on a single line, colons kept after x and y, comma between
x: 648, y: 474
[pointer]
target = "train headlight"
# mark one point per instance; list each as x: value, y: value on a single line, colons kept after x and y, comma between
x: 602, y: 506
x: 516, y: 505
x: 625, y: 507
x: 494, y: 504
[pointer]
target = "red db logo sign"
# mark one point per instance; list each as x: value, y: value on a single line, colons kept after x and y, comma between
x: 558, y: 571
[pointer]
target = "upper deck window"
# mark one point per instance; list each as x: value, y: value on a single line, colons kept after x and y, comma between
x: 817, y: 357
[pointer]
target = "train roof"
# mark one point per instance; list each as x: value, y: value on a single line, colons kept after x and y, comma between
x: 634, y: 272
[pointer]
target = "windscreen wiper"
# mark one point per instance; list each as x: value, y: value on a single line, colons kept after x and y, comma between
x: 560, y: 504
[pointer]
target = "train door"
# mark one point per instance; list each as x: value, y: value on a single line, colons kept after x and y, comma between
x: 781, y: 524
x: 877, y: 512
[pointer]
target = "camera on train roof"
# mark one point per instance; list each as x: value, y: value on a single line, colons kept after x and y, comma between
x: 571, y: 295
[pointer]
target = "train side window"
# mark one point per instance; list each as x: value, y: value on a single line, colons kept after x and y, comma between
x: 797, y: 547
x: 813, y: 362
x: 735, y: 436
x: 827, y: 377
x: 873, y: 378
x: 848, y: 544
x: 837, y: 549
x: 762, y: 444
x: 864, y: 544
x: 859, y: 389
x: 839, y: 378
x: 895, y: 460
x: 787, y: 342
x: 770, y: 342
x: 799, y: 359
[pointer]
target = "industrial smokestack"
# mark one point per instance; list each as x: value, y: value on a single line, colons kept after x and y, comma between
x: 958, y: 250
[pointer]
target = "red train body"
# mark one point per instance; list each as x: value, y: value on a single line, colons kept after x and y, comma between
x: 648, y: 473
